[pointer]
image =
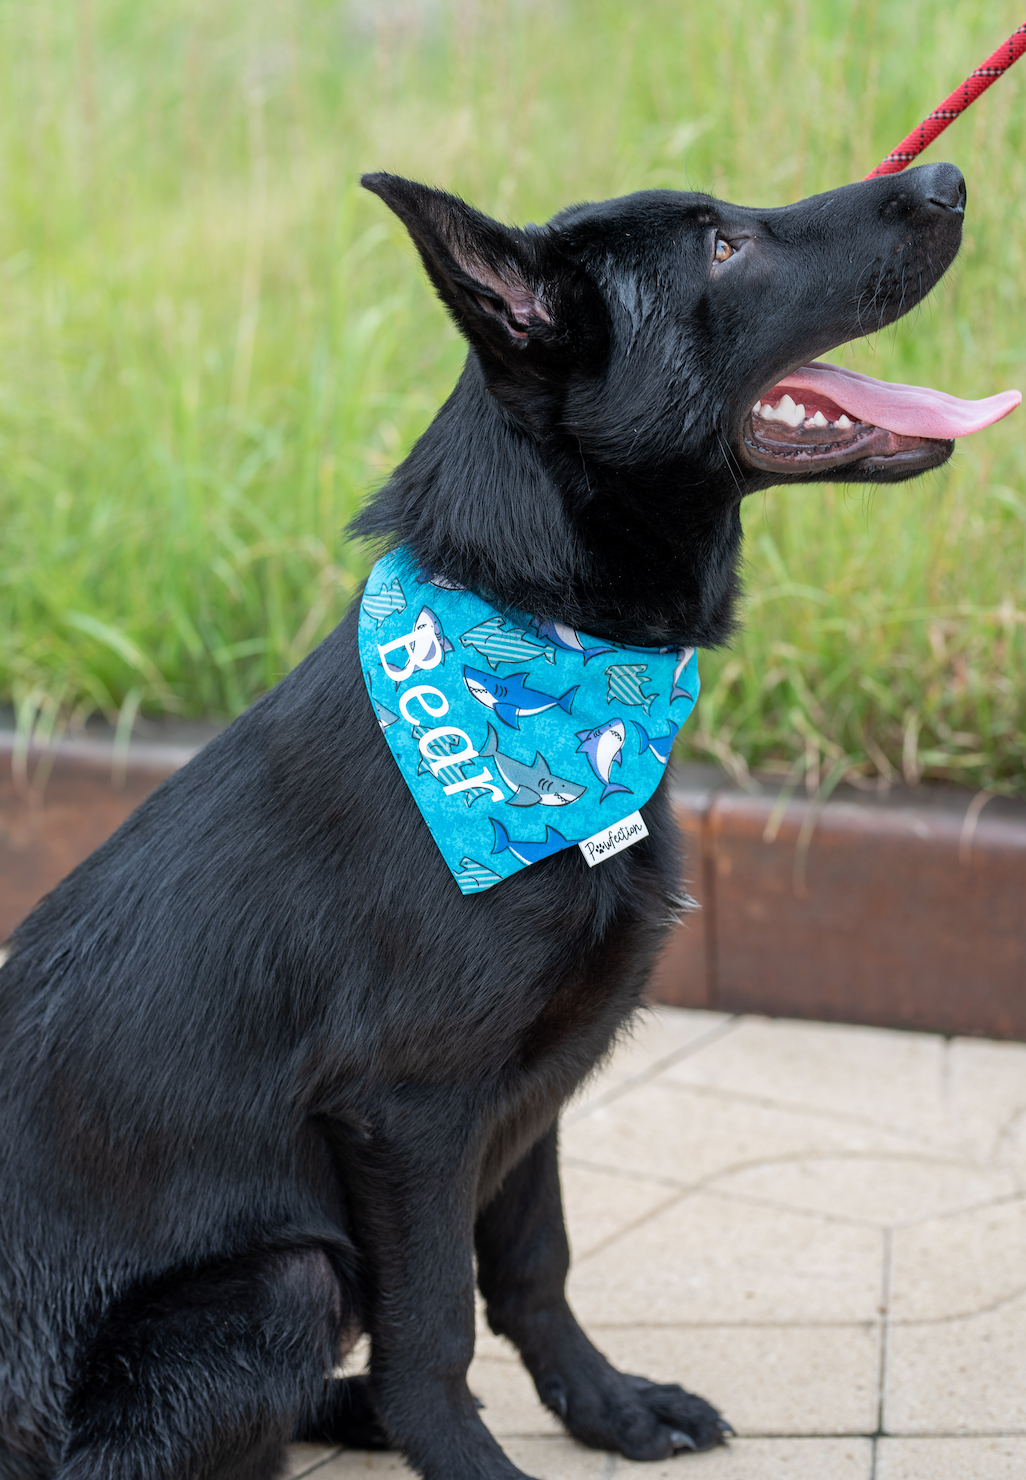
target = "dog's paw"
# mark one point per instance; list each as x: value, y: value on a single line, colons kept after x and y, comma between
x: 348, y: 1416
x: 643, y: 1420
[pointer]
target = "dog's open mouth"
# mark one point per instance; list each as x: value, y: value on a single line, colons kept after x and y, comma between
x: 823, y: 417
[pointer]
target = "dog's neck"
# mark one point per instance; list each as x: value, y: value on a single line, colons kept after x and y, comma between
x: 525, y: 520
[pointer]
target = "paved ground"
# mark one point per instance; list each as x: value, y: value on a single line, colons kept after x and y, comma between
x: 822, y: 1229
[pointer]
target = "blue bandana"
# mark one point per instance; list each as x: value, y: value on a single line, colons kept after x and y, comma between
x: 504, y: 724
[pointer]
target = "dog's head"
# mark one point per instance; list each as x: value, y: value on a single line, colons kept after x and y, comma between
x: 667, y: 342
x: 649, y: 326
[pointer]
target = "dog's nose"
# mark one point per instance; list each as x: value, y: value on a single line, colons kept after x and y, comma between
x: 944, y: 186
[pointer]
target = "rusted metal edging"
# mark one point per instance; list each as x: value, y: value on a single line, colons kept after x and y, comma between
x: 906, y: 909
x: 58, y: 803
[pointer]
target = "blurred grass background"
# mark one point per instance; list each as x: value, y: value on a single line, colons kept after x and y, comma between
x: 213, y: 344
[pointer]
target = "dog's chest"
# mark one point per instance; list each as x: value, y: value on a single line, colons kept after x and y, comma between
x: 567, y: 1039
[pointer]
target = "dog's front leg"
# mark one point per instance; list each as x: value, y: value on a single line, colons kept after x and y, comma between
x: 416, y: 1189
x: 523, y: 1260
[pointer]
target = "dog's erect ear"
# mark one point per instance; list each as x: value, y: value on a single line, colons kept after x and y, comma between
x: 491, y: 277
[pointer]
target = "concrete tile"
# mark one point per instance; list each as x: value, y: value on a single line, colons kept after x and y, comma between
x: 745, y: 1459
x: 561, y: 1459
x: 714, y: 1260
x: 763, y: 1459
x: 986, y: 1091
x: 951, y: 1459
x: 961, y: 1376
x: 881, y: 1190
x: 304, y: 1458
x: 350, y: 1463
x: 1012, y: 1148
x: 958, y: 1265
x: 655, y: 1034
x: 765, y: 1379
x: 512, y: 1406
x: 548, y: 1459
x: 686, y: 1135
x: 599, y: 1205
x: 871, y: 1074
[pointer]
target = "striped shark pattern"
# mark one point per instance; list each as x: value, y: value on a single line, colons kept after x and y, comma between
x: 473, y: 876
x: 626, y: 682
x: 498, y: 643
x: 381, y: 604
x: 446, y: 775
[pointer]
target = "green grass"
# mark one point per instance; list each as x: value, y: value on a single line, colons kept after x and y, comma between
x: 213, y: 344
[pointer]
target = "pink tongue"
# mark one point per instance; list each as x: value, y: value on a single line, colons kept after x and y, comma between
x: 910, y: 410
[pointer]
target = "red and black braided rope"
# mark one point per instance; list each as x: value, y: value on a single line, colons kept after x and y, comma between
x: 977, y: 82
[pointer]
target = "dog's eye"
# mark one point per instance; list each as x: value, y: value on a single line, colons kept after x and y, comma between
x: 723, y: 250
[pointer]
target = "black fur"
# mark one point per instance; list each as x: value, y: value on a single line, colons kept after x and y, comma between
x: 266, y: 1078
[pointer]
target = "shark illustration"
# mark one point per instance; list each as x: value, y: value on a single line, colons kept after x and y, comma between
x: 508, y: 697
x: 499, y: 643
x: 566, y: 638
x: 659, y: 745
x: 447, y: 775
x: 383, y: 603
x: 385, y: 716
x: 625, y: 684
x: 528, y: 852
x: 604, y: 748
x: 475, y: 876
x: 427, y: 646
x: 684, y: 656
x: 425, y: 578
x: 532, y: 785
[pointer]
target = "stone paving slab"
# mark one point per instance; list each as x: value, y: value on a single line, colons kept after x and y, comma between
x: 773, y: 1380
x: 951, y: 1459
x: 746, y: 1459
x: 967, y: 1375
x: 822, y: 1229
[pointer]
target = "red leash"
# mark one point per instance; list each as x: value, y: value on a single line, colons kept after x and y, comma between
x: 976, y: 83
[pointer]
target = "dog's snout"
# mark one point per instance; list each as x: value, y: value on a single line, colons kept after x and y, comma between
x: 944, y: 186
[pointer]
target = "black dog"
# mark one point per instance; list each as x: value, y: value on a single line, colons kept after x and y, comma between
x: 267, y: 1079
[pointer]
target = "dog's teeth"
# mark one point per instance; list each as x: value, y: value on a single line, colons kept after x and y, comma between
x: 788, y: 412
x: 757, y: 408
x: 819, y: 420
x: 843, y: 422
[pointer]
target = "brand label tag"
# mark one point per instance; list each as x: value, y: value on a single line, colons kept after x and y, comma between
x: 614, y: 839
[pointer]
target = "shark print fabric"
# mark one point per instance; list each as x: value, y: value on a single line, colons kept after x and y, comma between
x: 499, y: 642
x: 498, y: 723
x: 383, y: 603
